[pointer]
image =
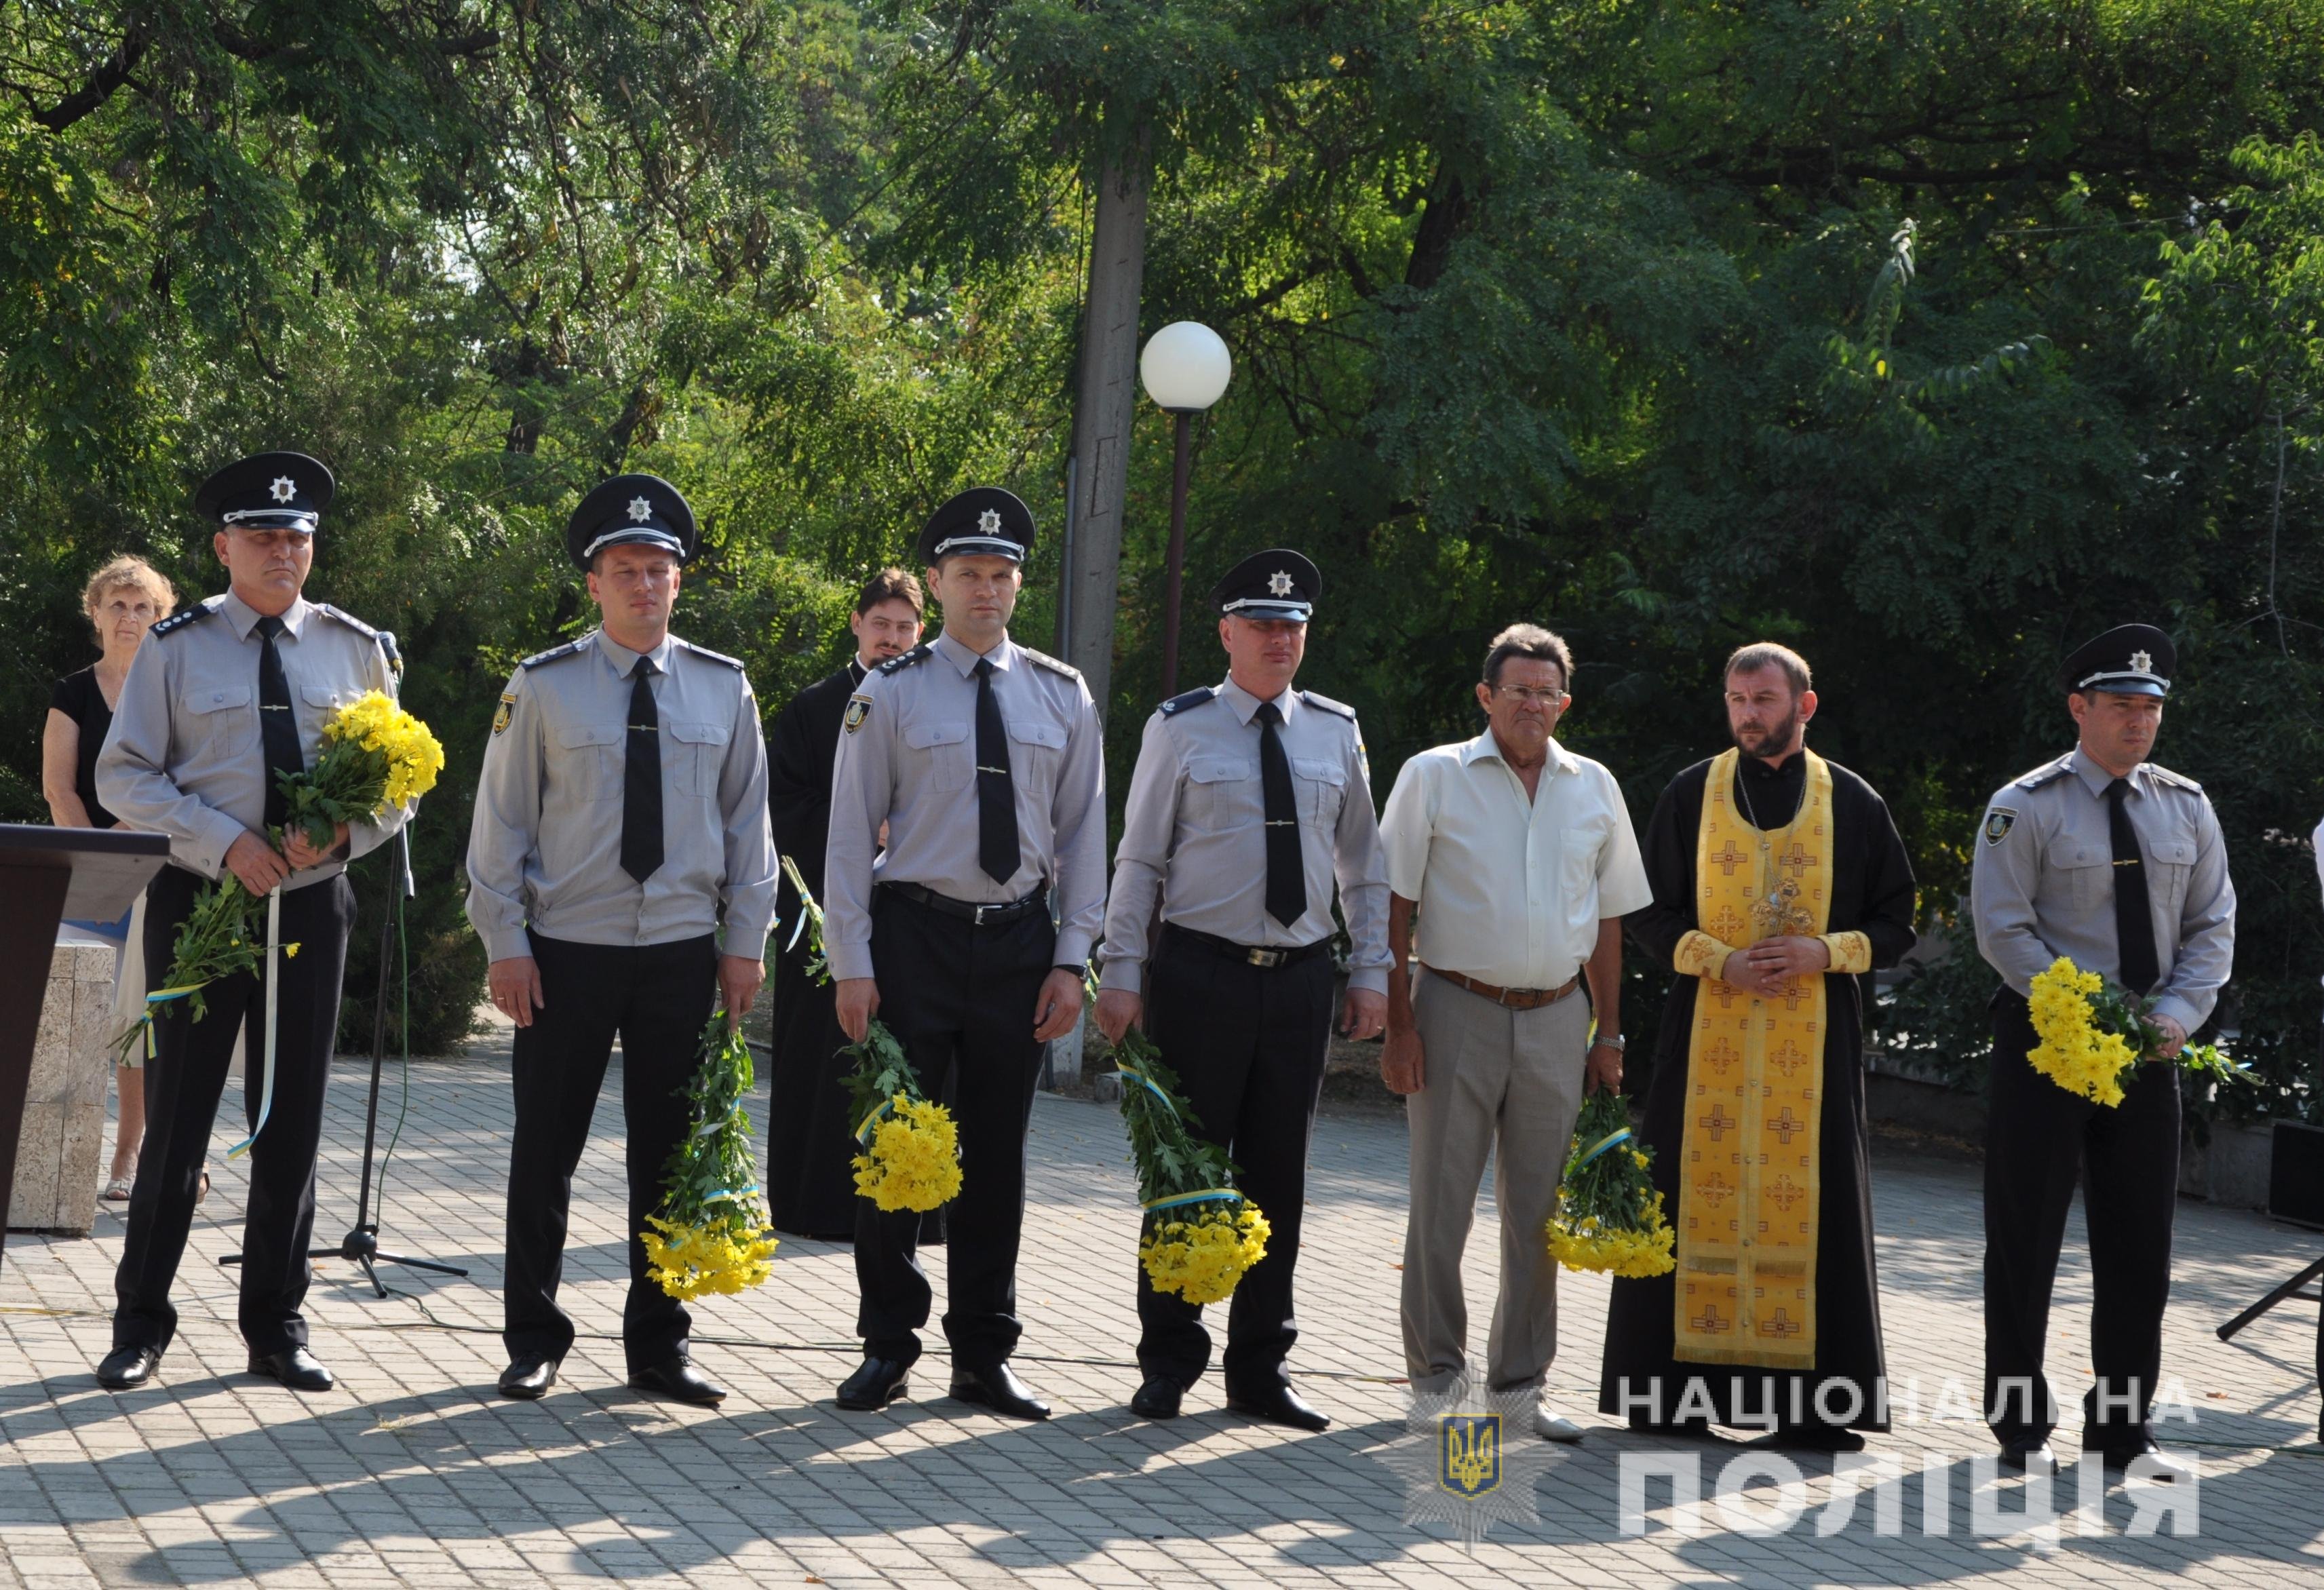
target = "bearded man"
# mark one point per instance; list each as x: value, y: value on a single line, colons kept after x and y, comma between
x: 1779, y: 885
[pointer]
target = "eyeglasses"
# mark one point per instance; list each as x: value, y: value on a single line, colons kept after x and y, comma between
x: 1526, y: 695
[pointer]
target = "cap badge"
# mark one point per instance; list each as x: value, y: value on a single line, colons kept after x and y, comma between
x: 1280, y: 583
x: 639, y: 510
x: 989, y: 521
x: 2142, y: 662
x: 283, y: 489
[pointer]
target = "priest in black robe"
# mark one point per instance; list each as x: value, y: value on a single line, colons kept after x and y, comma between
x: 810, y: 1187
x: 1658, y: 1374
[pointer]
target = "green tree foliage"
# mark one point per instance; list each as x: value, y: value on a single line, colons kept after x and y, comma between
x: 1928, y: 336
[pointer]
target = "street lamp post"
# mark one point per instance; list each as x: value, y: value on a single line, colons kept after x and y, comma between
x: 1184, y: 370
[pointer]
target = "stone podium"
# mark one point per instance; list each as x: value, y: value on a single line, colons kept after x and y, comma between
x: 61, y: 1144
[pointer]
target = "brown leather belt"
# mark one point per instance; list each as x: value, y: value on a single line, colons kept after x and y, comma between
x: 1515, y: 999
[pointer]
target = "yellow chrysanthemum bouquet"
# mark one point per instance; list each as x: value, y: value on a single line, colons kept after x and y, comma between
x: 1199, y: 1235
x: 711, y: 1233
x: 912, y: 1150
x: 375, y: 755
x: 2093, y: 1035
x: 1609, y: 1216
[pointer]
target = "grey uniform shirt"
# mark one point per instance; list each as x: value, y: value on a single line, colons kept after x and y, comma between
x: 185, y: 757
x: 2043, y: 883
x: 908, y: 758
x: 1194, y: 832
x: 545, y: 848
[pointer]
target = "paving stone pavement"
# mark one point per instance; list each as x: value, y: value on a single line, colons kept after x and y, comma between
x: 413, y: 1474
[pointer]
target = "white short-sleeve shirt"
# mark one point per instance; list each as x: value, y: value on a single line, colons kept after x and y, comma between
x: 1509, y: 890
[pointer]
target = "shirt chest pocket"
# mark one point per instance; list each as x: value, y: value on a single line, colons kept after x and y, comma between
x: 1323, y: 790
x: 2173, y: 860
x: 1221, y: 793
x: 697, y: 754
x: 1580, y: 844
x: 2080, y: 873
x: 940, y: 755
x: 221, y: 720
x: 590, y: 760
x: 1036, y: 749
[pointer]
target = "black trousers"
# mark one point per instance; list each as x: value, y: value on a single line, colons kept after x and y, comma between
x: 2037, y: 1136
x: 1248, y: 1043
x: 656, y: 998
x: 183, y: 1082
x: 960, y: 998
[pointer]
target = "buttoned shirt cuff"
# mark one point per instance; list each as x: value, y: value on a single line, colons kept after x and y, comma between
x: 1073, y: 948
x: 1124, y: 975
x: 1851, y: 952
x: 507, y: 944
x: 207, y: 850
x: 745, y: 938
x: 1369, y: 980
x: 1699, y: 955
x: 849, y: 961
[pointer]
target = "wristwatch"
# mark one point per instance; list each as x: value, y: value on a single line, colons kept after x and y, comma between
x: 1613, y: 1041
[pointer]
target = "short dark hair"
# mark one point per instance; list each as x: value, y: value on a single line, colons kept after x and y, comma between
x: 1528, y: 640
x: 892, y: 584
x: 1761, y: 654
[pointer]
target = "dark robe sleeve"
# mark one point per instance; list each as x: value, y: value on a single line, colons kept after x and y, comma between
x: 1889, y: 895
x: 799, y: 775
x: 1667, y: 848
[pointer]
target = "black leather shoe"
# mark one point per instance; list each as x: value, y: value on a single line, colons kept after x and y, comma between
x: 676, y: 1380
x: 295, y: 1367
x: 999, y: 1389
x: 125, y: 1369
x: 876, y: 1383
x: 2031, y: 1458
x: 1158, y: 1397
x: 1278, y: 1404
x: 2159, y: 1464
x: 529, y: 1378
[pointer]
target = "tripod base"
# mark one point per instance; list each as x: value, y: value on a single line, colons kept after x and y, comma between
x: 2283, y: 1294
x: 361, y: 1246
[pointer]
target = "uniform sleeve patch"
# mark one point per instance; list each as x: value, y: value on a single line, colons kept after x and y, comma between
x: 859, y: 707
x: 501, y: 717
x: 1998, y: 823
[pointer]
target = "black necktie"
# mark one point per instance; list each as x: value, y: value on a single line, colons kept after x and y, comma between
x: 1287, y: 870
x: 2133, y: 923
x: 278, y: 723
x: 996, y: 792
x: 641, y: 778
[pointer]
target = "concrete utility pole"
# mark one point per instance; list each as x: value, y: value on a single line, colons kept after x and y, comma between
x: 1106, y: 399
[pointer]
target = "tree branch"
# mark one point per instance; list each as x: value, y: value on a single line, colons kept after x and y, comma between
x: 100, y: 89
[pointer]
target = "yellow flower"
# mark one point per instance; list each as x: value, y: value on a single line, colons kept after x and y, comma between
x: 2074, y: 1052
x: 1202, y: 1258
x: 690, y: 1261
x: 1588, y: 1244
x: 913, y: 1159
x: 290, y: 952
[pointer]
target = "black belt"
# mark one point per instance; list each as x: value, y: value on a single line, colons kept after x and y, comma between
x: 1251, y: 955
x: 968, y: 910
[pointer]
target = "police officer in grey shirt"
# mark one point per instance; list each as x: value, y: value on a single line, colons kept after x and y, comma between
x: 622, y: 876
x: 219, y: 701
x: 984, y: 759
x: 1251, y: 799
x: 2104, y: 858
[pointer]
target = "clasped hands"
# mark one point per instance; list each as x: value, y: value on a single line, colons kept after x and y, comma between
x: 261, y: 868
x: 1763, y: 968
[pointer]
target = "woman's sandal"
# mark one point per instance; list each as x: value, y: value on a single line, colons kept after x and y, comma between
x: 116, y: 1191
x: 204, y: 1190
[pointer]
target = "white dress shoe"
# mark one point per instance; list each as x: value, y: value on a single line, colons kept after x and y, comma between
x: 1553, y: 1426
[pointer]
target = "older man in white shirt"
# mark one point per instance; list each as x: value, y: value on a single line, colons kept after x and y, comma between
x: 1517, y: 859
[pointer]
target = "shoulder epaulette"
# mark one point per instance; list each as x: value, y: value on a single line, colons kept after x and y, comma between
x: 570, y: 649
x: 911, y: 659
x: 2176, y: 781
x: 2048, y: 772
x: 1328, y: 704
x: 349, y: 619
x: 704, y: 652
x: 1053, y: 664
x: 176, y: 621
x: 1178, y: 704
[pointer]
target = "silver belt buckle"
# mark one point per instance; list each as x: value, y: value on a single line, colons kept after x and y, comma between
x: 1524, y: 992
x: 1267, y: 959
x: 978, y: 920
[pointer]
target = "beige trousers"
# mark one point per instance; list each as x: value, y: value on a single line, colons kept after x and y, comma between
x: 1507, y: 1083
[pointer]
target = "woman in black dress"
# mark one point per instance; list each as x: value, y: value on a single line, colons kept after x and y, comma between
x: 124, y: 599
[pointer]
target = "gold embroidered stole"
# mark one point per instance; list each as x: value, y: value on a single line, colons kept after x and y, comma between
x: 1749, y: 1185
